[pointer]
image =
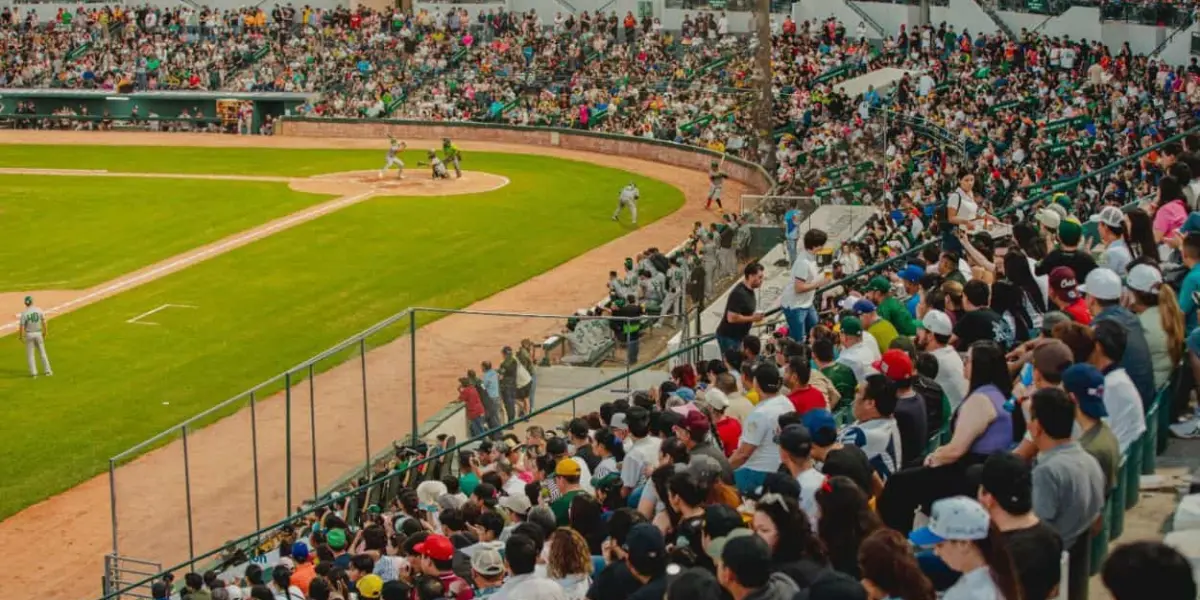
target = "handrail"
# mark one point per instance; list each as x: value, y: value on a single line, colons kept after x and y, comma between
x: 1186, y: 25
x: 320, y: 504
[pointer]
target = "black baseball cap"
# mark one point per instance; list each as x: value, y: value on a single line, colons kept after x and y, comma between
x: 767, y: 376
x: 645, y: 542
x: 796, y: 441
x: 750, y: 560
x: 1009, y: 480
x: 776, y: 483
x: 556, y: 446
x: 720, y: 519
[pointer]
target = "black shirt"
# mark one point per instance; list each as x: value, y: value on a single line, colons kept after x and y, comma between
x: 914, y: 428
x: 614, y: 581
x: 1081, y: 263
x: 589, y: 456
x: 982, y: 324
x: 654, y: 589
x: 1036, y: 552
x: 741, y: 302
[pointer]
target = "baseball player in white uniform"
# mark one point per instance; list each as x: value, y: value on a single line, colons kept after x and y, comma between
x: 33, y: 332
x: 436, y: 165
x: 629, y: 197
x: 393, y: 158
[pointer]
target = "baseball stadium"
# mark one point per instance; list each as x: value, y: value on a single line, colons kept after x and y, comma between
x: 550, y: 300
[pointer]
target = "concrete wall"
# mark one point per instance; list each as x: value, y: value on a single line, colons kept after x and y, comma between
x: 1143, y: 39
x: 472, y: 9
x: 964, y: 14
x: 889, y: 16
x: 739, y: 22
x: 677, y: 155
x: 1179, y: 49
x: 819, y: 10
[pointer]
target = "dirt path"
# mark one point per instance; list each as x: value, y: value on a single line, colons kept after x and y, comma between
x: 76, y: 524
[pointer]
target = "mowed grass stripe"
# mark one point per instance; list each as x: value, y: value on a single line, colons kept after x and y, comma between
x: 273, y: 303
x: 82, y: 231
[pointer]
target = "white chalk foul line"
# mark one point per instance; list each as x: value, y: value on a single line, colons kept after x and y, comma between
x: 219, y: 248
x: 138, y: 319
x: 106, y: 173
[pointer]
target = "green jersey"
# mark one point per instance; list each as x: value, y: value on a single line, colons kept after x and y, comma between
x: 895, y: 313
x: 843, y: 380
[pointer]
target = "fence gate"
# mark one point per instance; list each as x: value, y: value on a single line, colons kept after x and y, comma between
x: 121, y: 572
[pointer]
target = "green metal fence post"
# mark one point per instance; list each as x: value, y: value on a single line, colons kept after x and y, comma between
x: 362, y: 356
x: 312, y: 424
x: 412, y: 372
x: 287, y: 427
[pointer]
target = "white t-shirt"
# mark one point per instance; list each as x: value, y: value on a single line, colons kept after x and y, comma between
x: 810, y: 481
x: 880, y: 441
x: 860, y: 357
x: 964, y: 204
x: 759, y: 430
x: 804, y: 269
x: 950, y: 375
x: 641, y: 453
x: 1124, y: 406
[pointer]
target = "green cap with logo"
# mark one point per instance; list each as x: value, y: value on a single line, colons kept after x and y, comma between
x: 879, y: 283
x: 851, y: 326
x: 1070, y: 231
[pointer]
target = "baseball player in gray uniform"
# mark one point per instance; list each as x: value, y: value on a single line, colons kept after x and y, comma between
x: 393, y: 158
x: 33, y: 332
x: 628, y: 198
x: 716, y: 181
x: 435, y: 163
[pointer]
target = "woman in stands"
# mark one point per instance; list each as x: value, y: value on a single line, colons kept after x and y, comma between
x: 971, y: 544
x: 981, y: 426
x: 570, y: 562
x: 610, y: 450
x: 1158, y: 310
x: 845, y: 521
x: 795, y: 549
x: 889, y: 569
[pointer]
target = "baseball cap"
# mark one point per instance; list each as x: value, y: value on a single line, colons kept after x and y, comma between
x: 911, y: 273
x: 1103, y: 284
x: 1052, y: 357
x: 937, y: 323
x: 436, y: 546
x: 717, y: 545
x: 1070, y: 230
x: 714, y: 398
x: 879, y: 283
x: 300, y: 551
x: 487, y: 561
x: 645, y: 541
x: 703, y: 467
x: 956, y: 518
x: 695, y: 423
x: 1144, y: 278
x: 720, y: 519
x: 687, y: 394
x: 1009, y: 480
x: 864, y: 306
x: 822, y: 427
x: 518, y: 504
x: 618, y: 421
x: 370, y: 586
x: 851, y: 325
x: 1086, y: 382
x: 1112, y: 216
x: 895, y: 364
x: 766, y: 375
x: 336, y: 538
x: 1191, y: 224
x: 776, y: 483
x: 1052, y: 318
x: 1063, y: 284
x: 567, y: 468
x: 1050, y: 219
x: 795, y: 440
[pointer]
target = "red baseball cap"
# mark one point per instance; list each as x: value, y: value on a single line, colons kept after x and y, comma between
x: 1063, y: 283
x: 895, y: 364
x: 695, y: 423
x: 437, y: 547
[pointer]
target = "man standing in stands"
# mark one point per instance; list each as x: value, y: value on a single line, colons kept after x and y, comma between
x: 798, y: 297
x: 508, y: 382
x: 741, y: 309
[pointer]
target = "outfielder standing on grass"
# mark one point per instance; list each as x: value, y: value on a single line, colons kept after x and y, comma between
x: 33, y: 332
x: 716, y: 180
x: 629, y: 197
x: 453, y: 157
x: 393, y: 159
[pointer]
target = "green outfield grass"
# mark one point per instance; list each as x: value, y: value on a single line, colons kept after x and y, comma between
x: 271, y: 304
x: 76, y: 232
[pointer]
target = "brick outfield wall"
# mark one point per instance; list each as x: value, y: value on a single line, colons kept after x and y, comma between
x: 688, y: 157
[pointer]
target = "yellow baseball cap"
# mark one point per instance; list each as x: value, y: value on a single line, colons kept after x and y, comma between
x: 370, y: 586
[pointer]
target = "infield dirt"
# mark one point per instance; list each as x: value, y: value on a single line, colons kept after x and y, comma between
x: 68, y: 534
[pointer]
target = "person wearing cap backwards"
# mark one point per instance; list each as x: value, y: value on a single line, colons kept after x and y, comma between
x: 434, y: 557
x: 487, y: 572
x: 858, y: 352
x: 369, y: 587
x: 1103, y: 290
x: 1065, y: 296
x: 1068, y: 254
x: 879, y: 291
x: 881, y: 330
x: 911, y: 276
x: 933, y: 336
x: 910, y: 414
x: 758, y: 452
x: 795, y: 451
x: 1085, y: 385
x: 1112, y: 232
x: 33, y: 330
x: 1068, y: 484
x: 963, y: 536
x: 695, y: 431
x: 797, y: 300
x: 1006, y: 492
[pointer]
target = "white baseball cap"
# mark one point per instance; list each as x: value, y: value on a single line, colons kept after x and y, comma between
x: 1102, y: 284
x: 1112, y: 216
x: 937, y: 323
x: 1144, y: 278
x: 714, y: 398
x: 1049, y: 218
x: 957, y: 518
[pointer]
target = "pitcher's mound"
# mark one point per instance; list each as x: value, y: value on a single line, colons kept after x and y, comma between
x: 417, y: 182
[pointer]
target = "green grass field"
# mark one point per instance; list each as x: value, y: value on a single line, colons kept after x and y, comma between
x: 271, y: 304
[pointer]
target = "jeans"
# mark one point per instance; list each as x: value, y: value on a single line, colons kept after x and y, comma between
x: 748, y: 480
x: 800, y: 321
x: 727, y: 343
x: 631, y: 351
x: 509, y: 395
x: 791, y: 250
x: 477, y: 426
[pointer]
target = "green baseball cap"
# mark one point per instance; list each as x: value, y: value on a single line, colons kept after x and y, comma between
x: 851, y: 326
x: 1070, y: 231
x: 336, y: 538
x: 879, y: 284
x: 28, y: 300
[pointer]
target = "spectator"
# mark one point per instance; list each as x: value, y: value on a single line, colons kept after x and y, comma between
x: 962, y: 535
x: 744, y: 571
x: 1068, y: 485
x: 882, y: 331
x: 980, y: 322
x: 1157, y: 310
x: 487, y: 568
x: 890, y: 570
x: 836, y: 458
x: 839, y: 374
x: 741, y: 309
x: 911, y: 420
x: 520, y: 557
x: 646, y: 556
x: 305, y: 571
x: 758, y: 453
x: 874, y: 429
x: 570, y: 564
x: 580, y: 439
x: 803, y: 396
x: 936, y: 341
x: 616, y: 578
x: 1104, y: 300
x: 1136, y: 567
x: 858, y: 352
x: 434, y: 557
x: 1121, y: 397
x: 794, y: 547
x: 1006, y: 492
x: 715, y: 403
x: 879, y: 291
x: 1112, y: 232
x: 795, y: 450
x: 845, y: 521
x: 695, y: 433
x: 1085, y: 385
x: 641, y: 453
x: 1068, y: 254
x: 797, y: 301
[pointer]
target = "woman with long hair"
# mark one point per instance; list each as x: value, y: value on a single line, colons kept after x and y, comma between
x: 795, y: 549
x: 610, y: 450
x: 1141, y: 236
x: 570, y: 562
x: 1158, y: 310
x: 1019, y: 269
x: 845, y: 519
x: 963, y: 536
x: 586, y: 515
x: 1009, y: 301
x: 889, y: 569
x: 1170, y: 208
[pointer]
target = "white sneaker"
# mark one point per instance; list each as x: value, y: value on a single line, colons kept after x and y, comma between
x: 49, y: 373
x: 1187, y: 430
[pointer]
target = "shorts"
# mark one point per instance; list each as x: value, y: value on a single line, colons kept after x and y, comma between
x: 523, y: 392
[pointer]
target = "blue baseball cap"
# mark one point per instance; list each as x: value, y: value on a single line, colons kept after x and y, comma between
x: 864, y: 306
x: 821, y: 426
x: 1191, y: 225
x: 686, y: 393
x: 953, y: 519
x: 911, y: 273
x: 1087, y: 383
x: 300, y: 551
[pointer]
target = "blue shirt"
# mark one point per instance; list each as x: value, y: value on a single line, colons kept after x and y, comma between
x: 491, y: 383
x: 1191, y: 285
x: 911, y: 304
x: 793, y: 232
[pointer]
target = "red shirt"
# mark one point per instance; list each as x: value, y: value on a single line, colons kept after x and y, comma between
x: 808, y: 399
x: 730, y: 431
x: 1079, y: 312
x: 469, y: 396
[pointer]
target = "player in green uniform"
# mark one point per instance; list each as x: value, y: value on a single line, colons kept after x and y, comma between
x: 453, y: 156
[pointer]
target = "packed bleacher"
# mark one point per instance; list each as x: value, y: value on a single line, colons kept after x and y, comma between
x: 955, y: 402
